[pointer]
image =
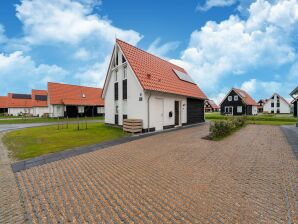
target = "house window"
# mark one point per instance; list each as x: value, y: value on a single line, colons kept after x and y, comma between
x: 124, y: 89
x: 239, y: 109
x: 125, y: 73
x: 278, y: 111
x: 278, y: 105
x: 235, y: 98
x: 116, y: 90
x: 117, y: 109
x: 123, y: 59
x: 230, y: 98
x: 272, y: 111
x: 272, y: 104
x: 116, y: 63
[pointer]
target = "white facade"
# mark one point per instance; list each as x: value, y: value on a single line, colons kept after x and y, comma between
x: 161, y: 106
x: 39, y: 111
x: 19, y: 111
x: 56, y: 110
x: 254, y: 110
x: 277, y: 105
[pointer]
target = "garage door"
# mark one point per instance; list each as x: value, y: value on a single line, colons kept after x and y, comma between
x: 195, y: 111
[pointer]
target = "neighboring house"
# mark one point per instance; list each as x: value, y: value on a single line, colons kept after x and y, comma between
x: 261, y: 105
x: 72, y: 101
x: 294, y: 94
x: 142, y: 86
x: 19, y: 104
x: 238, y: 102
x: 277, y: 105
x: 3, y: 104
x: 39, y: 102
x: 211, y: 106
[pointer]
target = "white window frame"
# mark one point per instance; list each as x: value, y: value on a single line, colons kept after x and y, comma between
x: 230, y: 98
x: 236, y: 98
x: 239, y: 109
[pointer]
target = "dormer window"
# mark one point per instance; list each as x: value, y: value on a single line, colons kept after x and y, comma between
x: 83, y: 95
x: 230, y: 98
x: 235, y: 98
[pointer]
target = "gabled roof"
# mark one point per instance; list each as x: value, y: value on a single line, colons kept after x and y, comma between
x: 156, y: 74
x: 14, y: 102
x: 3, y: 102
x: 279, y: 97
x: 295, y: 91
x: 246, y: 98
x: 66, y: 94
x: 36, y: 102
x: 212, y: 104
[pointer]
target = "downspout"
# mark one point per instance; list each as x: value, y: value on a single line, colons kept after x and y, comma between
x: 148, y: 112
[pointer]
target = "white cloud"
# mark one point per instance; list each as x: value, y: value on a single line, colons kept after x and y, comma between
x: 162, y: 50
x: 66, y: 21
x: 215, y: 3
x: 234, y: 46
x: 94, y: 75
x: 82, y: 54
x: 19, y: 72
x: 3, y: 38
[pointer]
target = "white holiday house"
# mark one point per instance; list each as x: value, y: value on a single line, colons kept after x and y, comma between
x: 276, y: 104
x: 142, y: 86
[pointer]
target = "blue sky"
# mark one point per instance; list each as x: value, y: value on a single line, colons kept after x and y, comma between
x: 221, y: 43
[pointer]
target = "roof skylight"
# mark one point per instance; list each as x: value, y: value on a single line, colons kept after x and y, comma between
x: 183, y: 76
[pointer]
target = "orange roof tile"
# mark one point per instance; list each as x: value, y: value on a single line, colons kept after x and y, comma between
x: 59, y: 93
x: 248, y: 100
x: 157, y: 74
x: 39, y: 103
x: 213, y: 104
x: 3, y: 102
x: 18, y: 103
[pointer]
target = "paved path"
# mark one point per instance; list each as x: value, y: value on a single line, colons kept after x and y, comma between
x: 176, y: 177
x: 10, y: 205
x: 9, y: 127
x: 291, y: 133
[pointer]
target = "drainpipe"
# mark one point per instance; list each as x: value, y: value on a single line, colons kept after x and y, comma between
x: 148, y: 113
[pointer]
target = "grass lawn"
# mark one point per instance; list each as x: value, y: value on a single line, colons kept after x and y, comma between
x: 20, y: 120
x: 262, y: 119
x: 33, y: 142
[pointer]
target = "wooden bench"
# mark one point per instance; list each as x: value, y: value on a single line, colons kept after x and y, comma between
x: 133, y: 125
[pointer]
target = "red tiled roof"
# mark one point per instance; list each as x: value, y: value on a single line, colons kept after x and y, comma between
x: 248, y: 100
x: 213, y: 104
x: 59, y: 93
x: 18, y: 103
x: 157, y: 74
x: 3, y: 102
x: 39, y: 103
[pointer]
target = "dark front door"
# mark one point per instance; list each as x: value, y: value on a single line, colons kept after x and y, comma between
x: 177, y: 113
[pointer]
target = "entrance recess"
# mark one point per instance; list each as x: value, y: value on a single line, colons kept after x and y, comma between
x: 177, y: 113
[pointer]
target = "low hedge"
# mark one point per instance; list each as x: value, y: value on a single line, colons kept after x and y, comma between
x: 222, y: 128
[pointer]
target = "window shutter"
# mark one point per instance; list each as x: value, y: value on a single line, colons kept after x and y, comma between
x: 116, y: 90
x: 124, y: 85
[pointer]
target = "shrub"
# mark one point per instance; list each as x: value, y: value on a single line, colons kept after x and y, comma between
x: 220, y: 129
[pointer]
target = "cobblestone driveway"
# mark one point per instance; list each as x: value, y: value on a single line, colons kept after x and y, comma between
x: 176, y: 177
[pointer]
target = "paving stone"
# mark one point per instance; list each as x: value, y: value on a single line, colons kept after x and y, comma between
x: 175, y: 177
